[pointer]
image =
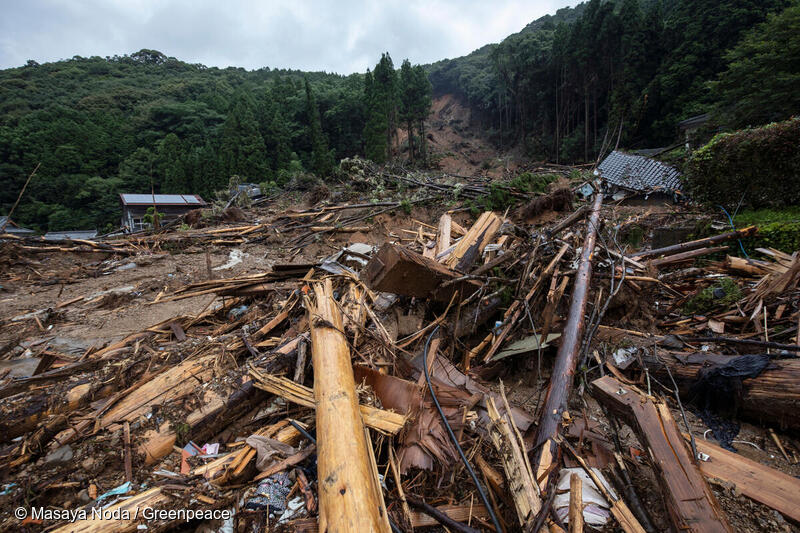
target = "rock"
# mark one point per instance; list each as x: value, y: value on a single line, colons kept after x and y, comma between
x: 83, y: 496
x: 59, y: 455
x: 88, y: 464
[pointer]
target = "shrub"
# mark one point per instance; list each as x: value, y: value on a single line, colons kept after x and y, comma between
x: 722, y: 294
x: 759, y: 167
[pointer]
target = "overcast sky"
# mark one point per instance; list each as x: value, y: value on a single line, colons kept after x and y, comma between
x: 336, y: 35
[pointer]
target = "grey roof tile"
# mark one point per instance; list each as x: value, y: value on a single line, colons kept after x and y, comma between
x: 639, y: 173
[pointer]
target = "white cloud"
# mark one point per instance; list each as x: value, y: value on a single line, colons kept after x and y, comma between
x: 343, y: 36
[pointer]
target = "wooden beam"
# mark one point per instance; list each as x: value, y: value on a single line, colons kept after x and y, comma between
x: 350, y: 494
x: 688, y: 498
x: 758, y: 482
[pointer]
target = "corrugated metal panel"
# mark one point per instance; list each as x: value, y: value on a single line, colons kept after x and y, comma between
x: 639, y: 173
x: 12, y: 228
x: 161, y: 199
x: 75, y: 234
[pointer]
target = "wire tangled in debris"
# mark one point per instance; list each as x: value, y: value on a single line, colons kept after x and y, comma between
x: 485, y: 500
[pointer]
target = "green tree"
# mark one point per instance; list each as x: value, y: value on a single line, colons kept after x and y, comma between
x: 321, y: 159
x: 242, y: 151
x: 136, y: 172
x: 380, y: 89
x: 415, y: 102
x: 762, y: 81
x: 375, y: 146
x: 171, y: 159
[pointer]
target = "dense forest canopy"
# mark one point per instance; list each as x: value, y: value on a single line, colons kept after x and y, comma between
x: 570, y: 83
x: 100, y: 126
x: 566, y: 88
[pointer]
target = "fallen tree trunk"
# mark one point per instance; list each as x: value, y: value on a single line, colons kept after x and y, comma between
x: 699, y: 243
x: 567, y: 357
x: 350, y: 495
x: 770, y: 398
x: 688, y: 498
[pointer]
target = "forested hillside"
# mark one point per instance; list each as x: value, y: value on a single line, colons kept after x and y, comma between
x: 567, y: 87
x: 628, y: 71
x: 100, y: 126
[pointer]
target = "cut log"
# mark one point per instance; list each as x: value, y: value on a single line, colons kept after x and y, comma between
x: 699, y: 243
x: 398, y: 270
x: 771, y: 398
x: 686, y: 256
x: 688, y: 498
x: 350, y: 494
x: 567, y: 358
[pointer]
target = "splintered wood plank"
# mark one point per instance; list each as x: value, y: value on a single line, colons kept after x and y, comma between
x: 761, y: 483
x: 470, y: 246
x: 689, y: 500
x: 387, y: 422
x: 521, y: 482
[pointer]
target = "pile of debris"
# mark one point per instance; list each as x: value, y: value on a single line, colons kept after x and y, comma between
x: 363, y: 390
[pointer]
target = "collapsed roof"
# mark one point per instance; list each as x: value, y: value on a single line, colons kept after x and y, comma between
x: 638, y: 173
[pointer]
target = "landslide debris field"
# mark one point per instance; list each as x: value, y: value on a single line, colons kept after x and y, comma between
x: 404, y: 352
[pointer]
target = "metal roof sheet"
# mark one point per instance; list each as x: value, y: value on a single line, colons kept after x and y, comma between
x: 71, y: 234
x: 14, y: 229
x: 639, y: 173
x: 161, y: 199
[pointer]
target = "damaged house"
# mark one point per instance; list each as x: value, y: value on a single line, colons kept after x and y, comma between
x: 169, y: 206
x: 625, y: 175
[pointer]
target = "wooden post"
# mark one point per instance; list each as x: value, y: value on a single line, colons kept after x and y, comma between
x: 350, y: 496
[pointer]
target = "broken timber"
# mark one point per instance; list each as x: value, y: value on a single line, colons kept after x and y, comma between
x: 699, y: 243
x: 689, y: 500
x: 567, y: 357
x: 350, y: 494
x: 521, y: 481
x: 761, y: 483
x: 398, y: 270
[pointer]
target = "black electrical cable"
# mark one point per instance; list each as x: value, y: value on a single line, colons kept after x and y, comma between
x: 488, y: 505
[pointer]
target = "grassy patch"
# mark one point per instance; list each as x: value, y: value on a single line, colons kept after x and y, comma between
x: 777, y: 228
